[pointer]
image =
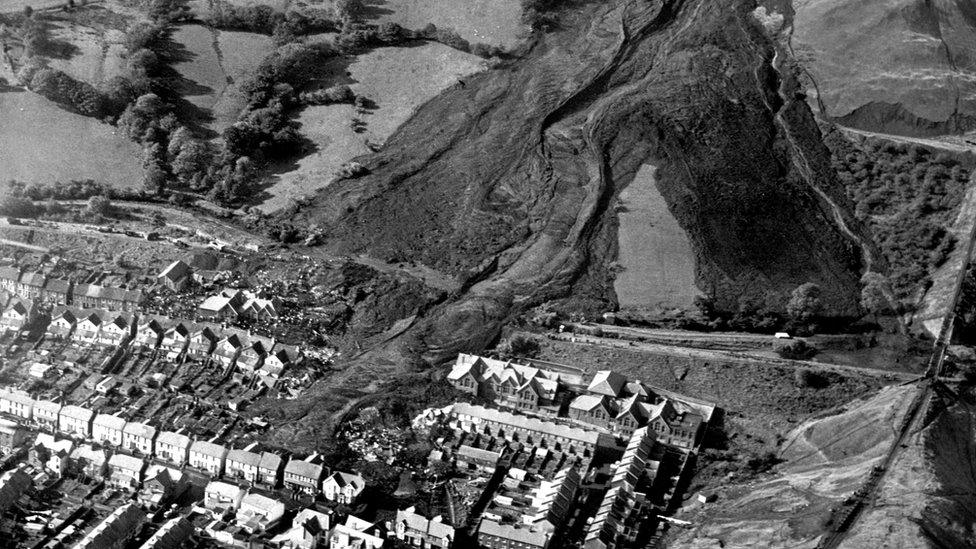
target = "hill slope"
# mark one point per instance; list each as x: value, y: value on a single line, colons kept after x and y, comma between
x: 894, y: 66
x: 509, y: 182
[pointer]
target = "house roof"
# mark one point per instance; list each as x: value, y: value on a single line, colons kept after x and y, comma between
x: 171, y: 534
x: 9, y: 273
x: 16, y: 397
x: 532, y: 537
x: 52, y: 408
x: 57, y: 285
x: 33, y: 279
x: 303, y: 468
x: 607, y: 382
x: 173, y: 439
x: 127, y: 462
x: 208, y: 449
x: 528, y: 423
x: 66, y: 314
x: 139, y: 429
x: 347, y: 479
x: 176, y: 271
x: 262, y: 505
x: 88, y: 453
x: 244, y: 457
x: 434, y: 528
x: 225, y: 489
x: 109, y: 421
x: 587, y: 403
x: 270, y: 461
x: 76, y: 412
x: 216, y: 304
x: 478, y: 453
x: 18, y: 307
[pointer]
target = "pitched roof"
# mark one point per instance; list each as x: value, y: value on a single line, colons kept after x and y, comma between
x: 244, y: 456
x: 529, y: 536
x: 109, y: 421
x: 528, y: 423
x: 139, y: 429
x: 173, y: 439
x: 76, y: 412
x: 347, y: 479
x: 33, y: 279
x: 10, y: 273
x: 176, y: 271
x: 270, y: 461
x: 587, y: 402
x: 125, y: 461
x: 419, y: 523
x: 57, y: 285
x: 607, y: 382
x: 208, y: 449
x: 303, y: 468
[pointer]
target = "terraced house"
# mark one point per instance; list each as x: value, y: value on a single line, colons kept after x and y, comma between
x: 75, y: 421
x: 208, y: 457
x: 508, y: 384
x: 243, y: 465
x: 138, y: 437
x: 9, y: 276
x: 116, y: 328
x: 57, y: 291
x: 173, y: 447
x: 88, y: 327
x: 31, y: 286
x: 107, y: 429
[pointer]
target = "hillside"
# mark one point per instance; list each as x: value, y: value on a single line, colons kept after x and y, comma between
x: 894, y: 66
x: 509, y: 183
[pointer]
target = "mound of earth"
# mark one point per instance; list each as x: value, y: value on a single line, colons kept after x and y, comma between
x: 824, y: 461
x: 894, y: 66
x: 928, y: 499
x: 509, y: 183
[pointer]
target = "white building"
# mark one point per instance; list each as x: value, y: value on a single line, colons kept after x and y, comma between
x: 138, y: 437
x: 208, y: 456
x: 107, y: 429
x: 243, y: 465
x: 75, y: 421
x: 222, y: 497
x: 173, y: 447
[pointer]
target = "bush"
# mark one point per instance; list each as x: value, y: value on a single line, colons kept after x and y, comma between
x: 805, y: 378
x: 797, y: 349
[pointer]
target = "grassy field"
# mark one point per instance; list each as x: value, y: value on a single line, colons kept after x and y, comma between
x: 328, y: 127
x: 8, y: 6
x: 493, y: 22
x: 655, y: 254
x: 41, y: 142
x: 217, y: 63
x: 99, y: 55
x: 399, y: 80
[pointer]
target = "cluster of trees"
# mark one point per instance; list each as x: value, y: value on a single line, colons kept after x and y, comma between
x: 62, y: 88
x: 908, y: 196
x: 263, y: 19
x: 354, y: 38
x: 82, y: 189
x: 801, y: 313
x: 19, y: 200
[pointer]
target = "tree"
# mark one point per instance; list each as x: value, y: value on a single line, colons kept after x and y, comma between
x: 99, y: 205
x: 804, y: 304
x: 154, y: 179
x: 16, y: 205
x: 874, y: 298
x: 521, y: 346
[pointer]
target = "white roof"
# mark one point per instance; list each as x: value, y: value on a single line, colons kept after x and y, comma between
x: 208, y: 449
x: 173, y: 439
x: 139, y: 429
x: 109, y: 421
x: 225, y: 489
x: 76, y: 412
x: 127, y: 462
